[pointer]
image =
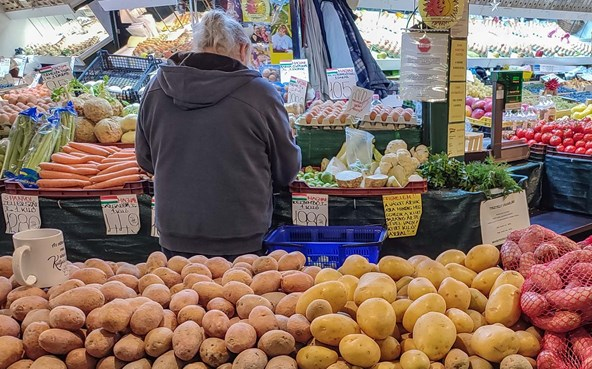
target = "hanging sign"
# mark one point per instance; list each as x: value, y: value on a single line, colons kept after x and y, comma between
x: 341, y: 82
x: 21, y: 213
x: 153, y: 229
x: 359, y: 102
x: 441, y: 14
x: 121, y: 214
x: 424, y: 66
x: 402, y: 214
x: 57, y: 75
x: 502, y: 215
x: 310, y: 209
x: 295, y: 68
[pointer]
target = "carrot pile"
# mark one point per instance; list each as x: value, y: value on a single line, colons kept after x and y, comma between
x: 90, y: 167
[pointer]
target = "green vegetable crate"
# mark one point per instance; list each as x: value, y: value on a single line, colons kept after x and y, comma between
x: 317, y: 143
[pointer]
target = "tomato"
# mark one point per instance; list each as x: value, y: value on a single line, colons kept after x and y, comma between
x: 555, y: 141
x: 546, y: 137
x: 580, y: 150
x: 520, y: 133
x: 588, y: 145
x: 570, y: 149
x: 568, y: 142
x: 529, y: 134
x: 538, y: 127
x: 538, y: 137
x: 558, y: 132
x: 588, y: 129
x: 531, y: 142
x: 560, y: 148
x: 580, y: 144
x: 568, y: 133
x: 588, y: 137
x: 514, y: 138
x: 578, y: 136
x: 589, y: 152
x: 578, y: 128
x: 548, y: 128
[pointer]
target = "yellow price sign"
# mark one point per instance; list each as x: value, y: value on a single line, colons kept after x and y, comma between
x: 402, y: 214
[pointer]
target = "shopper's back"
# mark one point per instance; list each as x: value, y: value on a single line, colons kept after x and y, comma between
x: 216, y: 136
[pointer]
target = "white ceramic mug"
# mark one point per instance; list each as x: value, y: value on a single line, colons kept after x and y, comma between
x: 39, y: 258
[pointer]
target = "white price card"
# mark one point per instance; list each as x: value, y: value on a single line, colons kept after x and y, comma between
x: 297, y: 91
x: 294, y: 68
x: 121, y: 214
x: 502, y: 215
x: 359, y: 102
x: 153, y: 229
x: 310, y: 209
x: 341, y: 82
x: 56, y: 76
x: 21, y: 213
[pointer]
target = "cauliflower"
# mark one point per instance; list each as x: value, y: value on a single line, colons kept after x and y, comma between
x: 129, y: 137
x: 97, y: 109
x: 409, y: 164
x: 403, y: 152
x: 117, y: 107
x: 401, y: 176
x: 395, y: 145
x: 108, y: 130
x: 85, y: 131
x: 420, y: 152
x: 387, y: 162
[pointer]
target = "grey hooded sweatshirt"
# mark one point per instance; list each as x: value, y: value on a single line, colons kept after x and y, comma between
x: 217, y: 139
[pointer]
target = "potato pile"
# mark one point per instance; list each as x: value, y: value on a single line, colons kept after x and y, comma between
x: 459, y: 311
x: 196, y: 313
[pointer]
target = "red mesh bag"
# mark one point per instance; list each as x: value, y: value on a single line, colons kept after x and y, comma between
x: 567, y: 351
x: 557, y: 296
x: 534, y: 245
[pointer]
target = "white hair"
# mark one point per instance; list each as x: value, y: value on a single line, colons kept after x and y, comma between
x: 219, y: 33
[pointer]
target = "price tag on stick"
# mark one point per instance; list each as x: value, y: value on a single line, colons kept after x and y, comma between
x: 359, y: 102
x: 153, y: 229
x: 341, y: 82
x: 21, y: 213
x: 310, y: 209
x: 297, y: 91
x: 121, y: 214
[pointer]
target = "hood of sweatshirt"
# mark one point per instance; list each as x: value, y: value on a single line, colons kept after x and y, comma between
x: 200, y: 80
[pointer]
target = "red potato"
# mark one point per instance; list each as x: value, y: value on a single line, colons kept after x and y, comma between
x: 533, y: 237
x: 510, y: 254
x: 550, y: 360
x: 546, y: 252
x: 572, y: 299
x: 581, y: 343
x: 582, y: 272
x: 560, y: 322
x: 534, y: 304
x: 555, y: 342
x: 527, y: 261
x: 542, y: 279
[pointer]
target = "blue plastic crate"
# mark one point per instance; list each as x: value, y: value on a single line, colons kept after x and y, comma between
x: 328, y: 247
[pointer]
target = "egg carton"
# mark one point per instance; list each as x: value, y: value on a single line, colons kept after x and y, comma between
x: 325, y: 123
x: 389, y: 120
x: 10, y: 5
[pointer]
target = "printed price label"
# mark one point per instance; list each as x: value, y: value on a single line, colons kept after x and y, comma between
x: 121, y: 213
x: 295, y: 68
x: 310, y: 209
x: 341, y: 82
x: 21, y: 213
x: 57, y: 75
x: 297, y: 91
x: 502, y: 215
x: 359, y: 102
x: 153, y: 229
x: 402, y: 214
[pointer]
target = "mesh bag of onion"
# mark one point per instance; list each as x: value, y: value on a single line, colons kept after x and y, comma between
x: 557, y: 296
x: 567, y: 351
x: 534, y: 245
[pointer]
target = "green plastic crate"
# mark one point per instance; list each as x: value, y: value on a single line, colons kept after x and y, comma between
x: 317, y: 144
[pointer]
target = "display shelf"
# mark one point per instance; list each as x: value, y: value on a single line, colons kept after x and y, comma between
x: 564, y: 61
x: 389, y: 64
x: 113, y: 5
x: 44, y: 11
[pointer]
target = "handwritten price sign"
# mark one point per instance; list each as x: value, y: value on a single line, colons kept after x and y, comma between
x: 57, y: 75
x: 297, y: 91
x: 121, y: 214
x: 359, y: 102
x: 310, y: 209
x: 402, y: 214
x: 341, y: 82
x: 153, y: 229
x: 21, y: 213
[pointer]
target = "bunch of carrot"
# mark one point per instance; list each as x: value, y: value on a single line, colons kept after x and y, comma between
x: 90, y: 167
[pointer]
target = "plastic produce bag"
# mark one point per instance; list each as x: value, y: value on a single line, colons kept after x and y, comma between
x: 20, y: 136
x: 557, y: 296
x: 43, y: 143
x: 359, y: 149
x: 67, y: 116
x: 566, y: 351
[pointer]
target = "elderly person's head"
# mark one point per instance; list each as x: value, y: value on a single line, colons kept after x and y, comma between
x: 218, y: 33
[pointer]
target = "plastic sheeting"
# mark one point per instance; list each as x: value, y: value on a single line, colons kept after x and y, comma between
x: 567, y: 184
x: 81, y: 221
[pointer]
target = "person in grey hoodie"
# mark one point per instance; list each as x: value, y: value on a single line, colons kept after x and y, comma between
x: 216, y: 136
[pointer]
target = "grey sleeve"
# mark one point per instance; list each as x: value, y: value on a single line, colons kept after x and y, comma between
x: 284, y: 154
x: 143, y: 155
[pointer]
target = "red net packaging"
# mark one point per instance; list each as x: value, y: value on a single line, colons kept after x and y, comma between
x: 557, y: 296
x: 566, y: 351
x: 534, y: 245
